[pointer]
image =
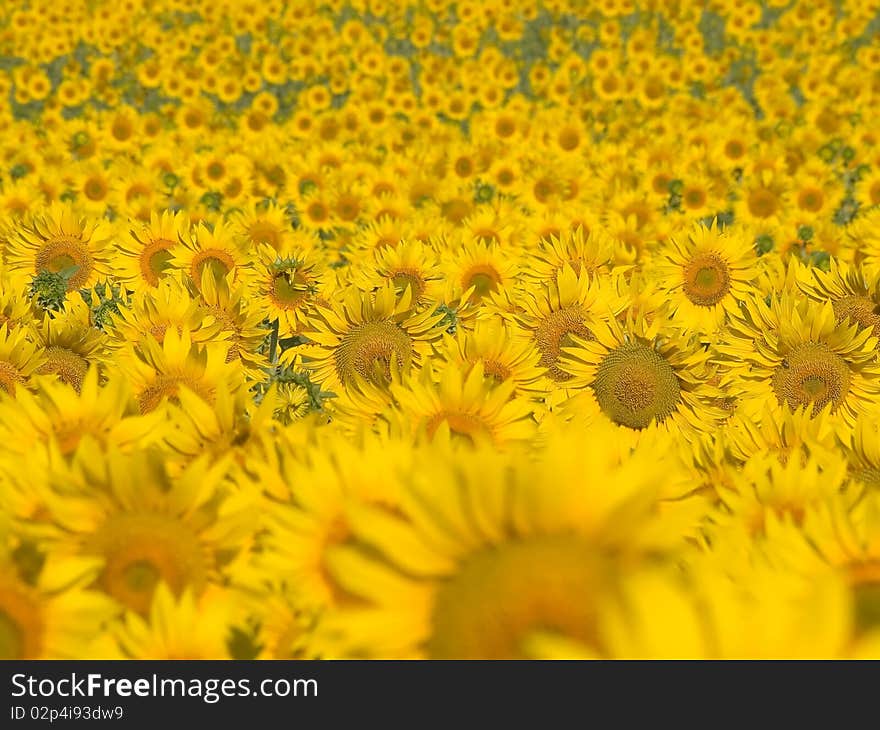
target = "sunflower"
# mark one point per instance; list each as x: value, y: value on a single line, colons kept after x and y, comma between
x: 864, y: 453
x: 59, y: 239
x: 464, y: 405
x: 704, y: 273
x: 290, y: 286
x: 56, y: 413
x: 56, y: 618
x: 640, y: 373
x: 264, y: 223
x: 19, y: 358
x: 592, y: 251
x: 170, y: 306
x: 70, y: 345
x: 476, y: 269
x: 795, y: 353
x: 314, y: 497
x: 784, y: 433
x: 158, y: 371
x: 565, y: 307
x: 368, y: 335
x: 766, y: 489
x: 409, y: 264
x: 179, y: 626
x: 494, y: 556
x: 145, y: 251
x: 854, y: 292
x: 15, y: 309
x: 240, y: 322
x: 502, y: 353
x: 216, y: 249
x: 145, y: 526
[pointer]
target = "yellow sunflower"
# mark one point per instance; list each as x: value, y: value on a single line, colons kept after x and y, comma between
x: 289, y: 287
x: 794, y: 352
x: 854, y: 292
x: 19, y: 358
x: 145, y: 526
x: 60, y: 239
x: 55, y: 618
x: 70, y: 345
x: 704, y: 273
x: 216, y: 249
x: 494, y: 556
x: 503, y: 353
x: 158, y: 371
x: 240, y: 322
x: 641, y: 372
x: 145, y: 251
x: 368, y: 335
x: 170, y: 306
x: 566, y: 306
x: 464, y: 405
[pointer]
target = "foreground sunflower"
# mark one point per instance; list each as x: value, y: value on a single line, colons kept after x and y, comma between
x: 497, y: 557
x: 369, y: 335
x: 55, y: 618
x: 795, y: 353
x: 145, y: 526
x: 57, y: 240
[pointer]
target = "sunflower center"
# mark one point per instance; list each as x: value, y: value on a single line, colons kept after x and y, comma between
x: 368, y: 350
x: 411, y: 278
x: 142, y: 549
x: 763, y: 203
x: 69, y: 366
x: 468, y: 427
x: 502, y: 596
x: 289, y: 291
x: 554, y: 333
x: 218, y: 261
x: 812, y: 374
x: 867, y: 475
x: 706, y: 279
x: 168, y: 386
x: 497, y: 370
x: 862, y: 309
x: 483, y: 278
x: 155, y: 260
x: 9, y: 377
x: 264, y: 232
x: 62, y: 252
x: 635, y: 385
x: 811, y: 199
x: 21, y: 621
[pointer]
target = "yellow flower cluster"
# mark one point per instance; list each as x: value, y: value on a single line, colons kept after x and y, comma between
x: 472, y: 329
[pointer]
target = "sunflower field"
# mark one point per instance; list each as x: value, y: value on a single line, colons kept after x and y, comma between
x: 439, y: 329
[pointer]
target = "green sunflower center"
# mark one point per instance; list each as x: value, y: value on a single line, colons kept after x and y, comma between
x: 635, y: 385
